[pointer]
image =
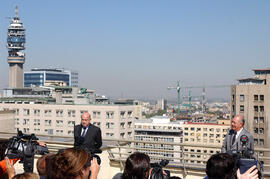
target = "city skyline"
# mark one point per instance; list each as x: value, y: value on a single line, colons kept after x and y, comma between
x: 137, y: 49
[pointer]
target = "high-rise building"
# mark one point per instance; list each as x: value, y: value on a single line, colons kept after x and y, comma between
x: 16, y: 56
x: 42, y: 76
x: 251, y: 98
x: 162, y: 104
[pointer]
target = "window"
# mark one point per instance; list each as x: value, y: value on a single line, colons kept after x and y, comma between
x: 261, y: 97
x: 129, y: 114
x: 256, y: 109
x: 256, y: 120
x: 36, y: 112
x: 71, y: 113
x: 59, y: 132
x: 122, y: 135
x: 36, y: 122
x: 129, y: 124
x: 256, y: 130
x: 262, y: 108
x: 109, y: 125
x: 233, y: 97
x: 261, y: 142
x: 26, y: 112
x: 26, y: 130
x: 242, y: 97
x: 96, y: 124
x: 261, y: 130
x: 109, y: 115
x: 48, y: 131
x: 25, y: 121
x: 71, y: 123
x: 122, y: 114
x: 255, y: 141
x: 17, y: 111
x: 96, y: 114
x: 48, y: 122
x: 59, y: 113
x: 17, y: 121
x: 59, y: 122
x: 47, y: 112
x: 262, y: 120
x: 122, y: 124
x: 70, y: 132
x: 241, y: 108
x: 37, y: 130
x: 255, y: 97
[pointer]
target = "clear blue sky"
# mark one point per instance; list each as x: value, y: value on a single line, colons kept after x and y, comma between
x: 136, y: 48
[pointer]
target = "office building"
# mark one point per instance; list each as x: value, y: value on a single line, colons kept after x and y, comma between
x: 15, y: 45
x: 159, y: 129
x: 207, y: 135
x: 251, y: 98
x: 50, y: 76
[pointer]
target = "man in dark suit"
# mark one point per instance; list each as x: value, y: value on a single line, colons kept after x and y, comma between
x: 87, y: 135
x: 232, y: 139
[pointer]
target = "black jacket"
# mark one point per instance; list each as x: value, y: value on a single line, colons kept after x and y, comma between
x: 92, y: 140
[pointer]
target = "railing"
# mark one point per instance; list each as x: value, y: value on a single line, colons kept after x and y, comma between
x: 119, y: 150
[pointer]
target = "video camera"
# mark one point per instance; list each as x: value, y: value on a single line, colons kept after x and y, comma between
x: 25, y: 147
x: 244, y: 158
x: 157, y: 171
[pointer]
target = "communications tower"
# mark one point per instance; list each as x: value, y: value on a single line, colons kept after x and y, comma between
x: 15, y: 46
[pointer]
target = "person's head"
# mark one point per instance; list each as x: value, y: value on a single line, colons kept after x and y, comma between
x: 26, y: 176
x: 3, y: 147
x: 238, y: 122
x: 85, y: 119
x: 41, y: 164
x: 69, y: 164
x: 221, y: 166
x: 137, y: 166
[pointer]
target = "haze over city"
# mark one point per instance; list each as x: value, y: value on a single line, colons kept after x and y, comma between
x: 136, y: 49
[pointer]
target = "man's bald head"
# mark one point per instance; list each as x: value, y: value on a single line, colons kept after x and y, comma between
x: 85, y: 119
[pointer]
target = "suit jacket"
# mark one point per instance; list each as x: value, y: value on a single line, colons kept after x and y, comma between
x: 227, y: 143
x: 92, y: 140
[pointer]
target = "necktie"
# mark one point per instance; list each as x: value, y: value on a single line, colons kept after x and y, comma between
x: 233, y: 139
x: 83, y: 134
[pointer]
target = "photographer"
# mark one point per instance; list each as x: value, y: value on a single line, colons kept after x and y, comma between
x: 223, y: 166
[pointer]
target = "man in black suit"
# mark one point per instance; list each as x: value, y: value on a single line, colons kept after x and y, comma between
x: 87, y: 135
x: 232, y: 139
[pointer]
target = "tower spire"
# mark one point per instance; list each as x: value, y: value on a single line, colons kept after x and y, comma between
x: 16, y: 11
x: 16, y: 45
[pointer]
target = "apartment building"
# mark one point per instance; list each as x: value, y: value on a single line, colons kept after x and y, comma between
x: 206, y: 135
x: 159, y: 129
x: 115, y: 121
x: 251, y: 98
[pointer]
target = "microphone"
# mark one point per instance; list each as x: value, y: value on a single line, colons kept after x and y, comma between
x: 244, y: 140
x: 246, y: 152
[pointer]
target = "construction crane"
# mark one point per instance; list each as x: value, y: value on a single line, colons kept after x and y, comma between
x: 190, y: 87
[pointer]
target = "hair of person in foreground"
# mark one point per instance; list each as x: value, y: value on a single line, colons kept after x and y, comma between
x: 137, y: 166
x: 69, y: 164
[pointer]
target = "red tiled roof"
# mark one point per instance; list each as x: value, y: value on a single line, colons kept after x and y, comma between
x: 201, y: 123
x: 265, y: 69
